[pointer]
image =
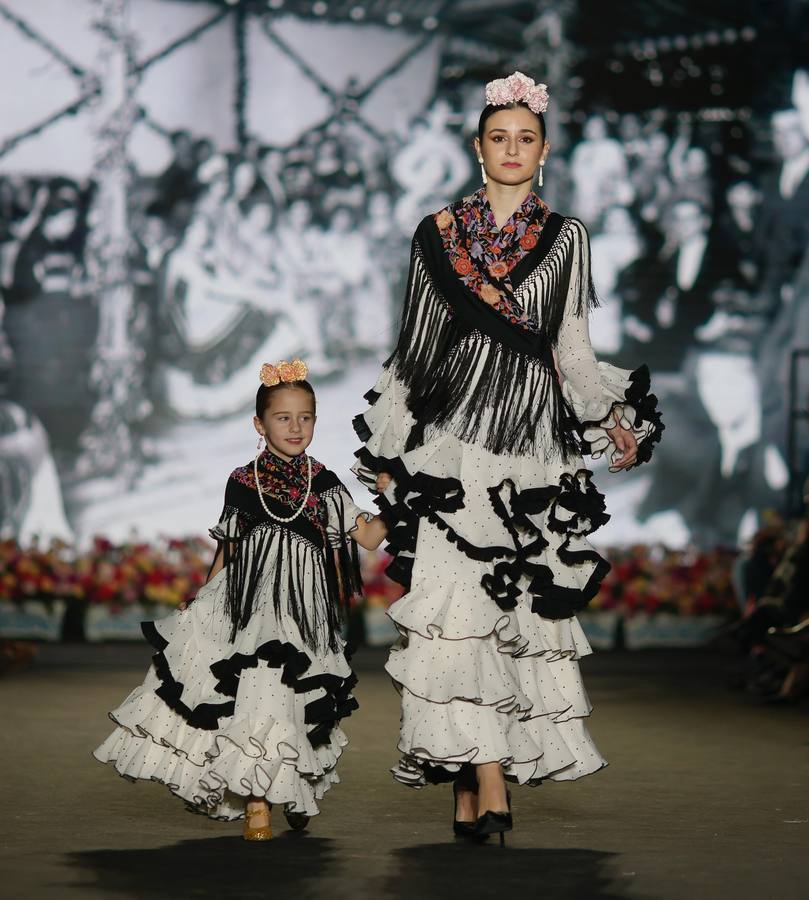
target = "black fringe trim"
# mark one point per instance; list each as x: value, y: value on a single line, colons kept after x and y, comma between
x: 466, y: 368
x: 645, y: 405
x: 246, y: 574
x: 489, y: 394
x: 323, y: 713
x: 427, y: 332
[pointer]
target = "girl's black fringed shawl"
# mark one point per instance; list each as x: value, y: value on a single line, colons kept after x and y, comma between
x: 282, y: 558
x: 478, y: 387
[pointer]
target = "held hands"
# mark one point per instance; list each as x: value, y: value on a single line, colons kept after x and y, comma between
x: 369, y: 533
x: 626, y: 444
x: 383, y: 479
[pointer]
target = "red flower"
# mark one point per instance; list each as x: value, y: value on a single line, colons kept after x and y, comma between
x: 498, y: 269
x: 528, y: 241
x: 463, y: 265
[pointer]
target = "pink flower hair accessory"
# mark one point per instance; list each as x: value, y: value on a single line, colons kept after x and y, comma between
x: 518, y: 88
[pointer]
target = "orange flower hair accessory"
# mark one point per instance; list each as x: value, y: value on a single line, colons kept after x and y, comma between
x: 286, y: 372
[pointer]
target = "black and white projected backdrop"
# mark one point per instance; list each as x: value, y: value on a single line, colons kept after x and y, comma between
x: 189, y: 189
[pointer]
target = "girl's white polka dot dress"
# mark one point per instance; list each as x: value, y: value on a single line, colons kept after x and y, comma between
x: 222, y: 716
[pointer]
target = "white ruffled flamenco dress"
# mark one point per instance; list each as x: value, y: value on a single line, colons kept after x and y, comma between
x: 219, y: 719
x: 492, y: 546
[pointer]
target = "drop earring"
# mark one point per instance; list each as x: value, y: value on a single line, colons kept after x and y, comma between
x: 260, y: 443
x: 482, y: 170
x: 541, y: 180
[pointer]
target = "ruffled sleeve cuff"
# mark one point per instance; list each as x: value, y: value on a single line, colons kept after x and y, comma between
x: 343, y: 515
x: 383, y: 428
x: 233, y: 526
x: 626, y: 401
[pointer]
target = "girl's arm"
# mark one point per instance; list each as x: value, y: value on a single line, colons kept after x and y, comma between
x: 218, y: 563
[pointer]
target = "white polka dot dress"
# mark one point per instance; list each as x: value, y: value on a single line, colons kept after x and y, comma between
x: 491, y: 541
x: 220, y: 718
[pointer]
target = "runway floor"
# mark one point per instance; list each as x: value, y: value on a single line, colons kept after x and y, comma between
x: 706, y: 796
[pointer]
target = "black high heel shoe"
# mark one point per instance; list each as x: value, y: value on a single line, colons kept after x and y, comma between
x: 297, y: 821
x: 462, y: 829
x: 495, y: 823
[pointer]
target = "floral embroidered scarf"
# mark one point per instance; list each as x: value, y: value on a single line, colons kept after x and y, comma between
x: 483, y: 257
x: 285, y: 482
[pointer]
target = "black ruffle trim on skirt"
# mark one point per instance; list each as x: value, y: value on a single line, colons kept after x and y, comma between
x: 576, y: 508
x: 323, y: 713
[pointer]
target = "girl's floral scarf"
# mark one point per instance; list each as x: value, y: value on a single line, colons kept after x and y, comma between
x: 285, y: 482
x: 483, y: 257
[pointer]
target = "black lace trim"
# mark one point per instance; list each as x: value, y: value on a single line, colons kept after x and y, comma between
x: 645, y: 406
x: 323, y: 713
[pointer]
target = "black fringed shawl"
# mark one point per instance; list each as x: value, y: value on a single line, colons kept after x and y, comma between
x: 306, y: 576
x: 492, y: 390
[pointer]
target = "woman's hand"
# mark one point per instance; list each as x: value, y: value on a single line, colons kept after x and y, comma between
x: 184, y: 604
x: 627, y: 445
x: 383, y: 479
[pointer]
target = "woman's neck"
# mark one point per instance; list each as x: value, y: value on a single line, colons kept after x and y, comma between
x: 506, y: 199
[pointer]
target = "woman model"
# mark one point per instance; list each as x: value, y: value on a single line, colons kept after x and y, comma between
x: 480, y: 417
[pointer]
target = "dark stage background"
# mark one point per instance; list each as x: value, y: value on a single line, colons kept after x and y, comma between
x: 189, y: 189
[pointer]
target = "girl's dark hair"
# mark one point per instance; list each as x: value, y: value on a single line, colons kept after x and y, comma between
x: 264, y: 394
x: 491, y: 110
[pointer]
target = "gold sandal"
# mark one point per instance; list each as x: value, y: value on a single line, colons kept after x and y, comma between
x: 262, y: 832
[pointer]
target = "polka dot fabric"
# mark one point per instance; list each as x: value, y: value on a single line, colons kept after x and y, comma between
x: 217, y: 720
x: 493, y: 551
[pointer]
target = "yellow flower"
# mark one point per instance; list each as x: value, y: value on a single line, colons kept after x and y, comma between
x: 269, y: 375
x: 444, y: 219
x: 489, y: 294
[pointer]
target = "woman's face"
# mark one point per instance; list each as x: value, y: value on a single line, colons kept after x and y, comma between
x: 288, y: 423
x: 512, y: 146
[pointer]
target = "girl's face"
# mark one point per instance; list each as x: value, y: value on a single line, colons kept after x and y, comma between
x: 511, y: 147
x: 288, y: 423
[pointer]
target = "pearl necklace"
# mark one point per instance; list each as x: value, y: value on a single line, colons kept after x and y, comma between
x: 305, y: 499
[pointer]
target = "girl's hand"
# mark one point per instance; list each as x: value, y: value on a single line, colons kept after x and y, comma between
x: 369, y: 533
x: 383, y: 479
x: 627, y: 445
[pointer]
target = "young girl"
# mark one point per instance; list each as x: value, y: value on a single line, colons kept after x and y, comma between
x: 240, y: 708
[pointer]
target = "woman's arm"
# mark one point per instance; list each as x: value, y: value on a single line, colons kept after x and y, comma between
x: 575, y: 357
